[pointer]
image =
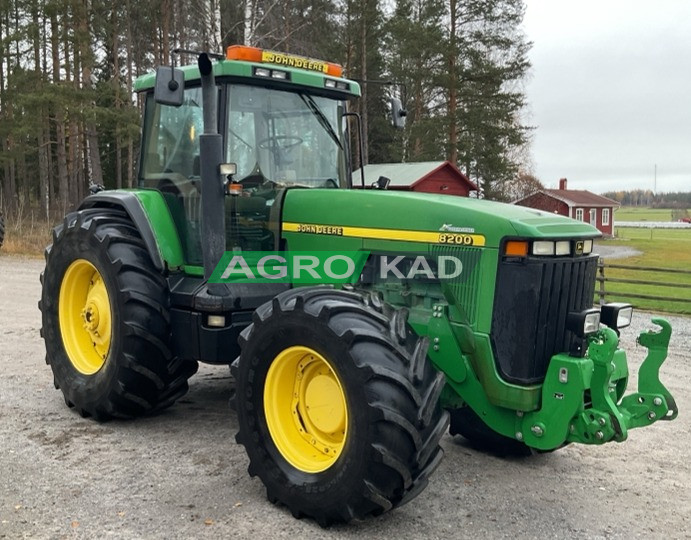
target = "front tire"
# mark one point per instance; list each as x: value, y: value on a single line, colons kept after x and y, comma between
x: 105, y: 319
x: 338, y: 405
x: 469, y: 425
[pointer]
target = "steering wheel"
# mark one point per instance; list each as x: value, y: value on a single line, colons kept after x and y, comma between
x: 288, y: 142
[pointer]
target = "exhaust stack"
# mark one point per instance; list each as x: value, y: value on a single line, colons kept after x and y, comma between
x: 210, y: 158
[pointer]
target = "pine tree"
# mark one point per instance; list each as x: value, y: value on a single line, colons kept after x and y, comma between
x: 485, y: 97
x: 415, y: 54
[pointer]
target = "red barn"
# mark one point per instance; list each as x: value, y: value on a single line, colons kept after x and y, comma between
x: 426, y: 176
x: 577, y: 204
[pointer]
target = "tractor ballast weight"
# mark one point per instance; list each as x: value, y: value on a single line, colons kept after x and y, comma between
x: 343, y: 393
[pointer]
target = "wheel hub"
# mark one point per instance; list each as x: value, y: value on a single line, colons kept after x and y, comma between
x: 305, y: 408
x: 85, y: 317
x: 324, y: 413
x: 96, y: 313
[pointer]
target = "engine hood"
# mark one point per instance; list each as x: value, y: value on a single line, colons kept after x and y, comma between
x: 424, y: 212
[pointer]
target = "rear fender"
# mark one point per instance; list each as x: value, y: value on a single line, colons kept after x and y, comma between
x: 148, y: 211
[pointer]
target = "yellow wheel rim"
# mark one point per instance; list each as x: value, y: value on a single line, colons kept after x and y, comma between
x: 305, y: 409
x: 85, y: 317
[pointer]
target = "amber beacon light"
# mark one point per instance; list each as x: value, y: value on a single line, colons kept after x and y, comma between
x: 263, y: 56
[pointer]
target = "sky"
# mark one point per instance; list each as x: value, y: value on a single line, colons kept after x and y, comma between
x: 610, y: 93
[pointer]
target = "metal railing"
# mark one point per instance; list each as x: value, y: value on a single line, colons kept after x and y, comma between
x: 602, y: 279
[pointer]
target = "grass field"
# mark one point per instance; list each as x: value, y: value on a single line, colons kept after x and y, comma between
x: 640, y: 213
x: 661, y: 248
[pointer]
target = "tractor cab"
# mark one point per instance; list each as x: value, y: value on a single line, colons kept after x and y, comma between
x: 277, y: 131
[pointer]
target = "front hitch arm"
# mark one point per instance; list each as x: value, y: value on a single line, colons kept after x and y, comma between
x: 567, y: 415
x: 603, y: 421
x: 652, y: 401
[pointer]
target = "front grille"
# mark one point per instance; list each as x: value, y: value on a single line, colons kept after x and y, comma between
x: 532, y: 299
x: 466, y: 287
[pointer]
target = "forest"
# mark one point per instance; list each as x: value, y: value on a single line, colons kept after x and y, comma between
x: 69, y: 118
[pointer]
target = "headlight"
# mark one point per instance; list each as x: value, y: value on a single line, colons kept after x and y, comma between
x: 616, y: 315
x: 543, y: 247
x: 583, y: 323
x: 228, y: 169
x: 548, y: 248
x: 563, y: 248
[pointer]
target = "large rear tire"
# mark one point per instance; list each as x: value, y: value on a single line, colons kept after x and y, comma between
x: 338, y: 405
x: 105, y: 319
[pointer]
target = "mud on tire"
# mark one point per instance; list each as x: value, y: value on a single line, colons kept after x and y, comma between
x: 139, y: 374
x: 390, y: 389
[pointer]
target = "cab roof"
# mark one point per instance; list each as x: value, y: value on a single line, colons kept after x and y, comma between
x: 272, y: 68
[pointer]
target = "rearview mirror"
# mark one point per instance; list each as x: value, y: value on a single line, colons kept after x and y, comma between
x: 398, y: 113
x: 170, y: 86
x: 382, y: 183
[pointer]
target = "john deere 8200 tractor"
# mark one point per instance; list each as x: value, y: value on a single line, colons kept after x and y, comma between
x: 342, y: 392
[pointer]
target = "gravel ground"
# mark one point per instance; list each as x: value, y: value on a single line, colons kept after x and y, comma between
x: 181, y: 475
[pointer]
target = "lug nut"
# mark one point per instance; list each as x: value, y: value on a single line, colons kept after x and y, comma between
x: 657, y: 401
x: 652, y: 415
x: 519, y: 436
x: 537, y: 431
x: 599, y: 435
x: 602, y: 421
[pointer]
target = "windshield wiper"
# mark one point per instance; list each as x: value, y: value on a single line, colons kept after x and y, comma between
x: 309, y: 101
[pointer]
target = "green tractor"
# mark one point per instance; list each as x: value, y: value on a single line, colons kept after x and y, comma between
x: 342, y: 392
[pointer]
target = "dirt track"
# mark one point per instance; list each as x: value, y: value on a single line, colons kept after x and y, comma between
x: 181, y: 475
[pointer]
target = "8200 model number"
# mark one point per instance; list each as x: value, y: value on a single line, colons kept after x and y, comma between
x: 456, y: 239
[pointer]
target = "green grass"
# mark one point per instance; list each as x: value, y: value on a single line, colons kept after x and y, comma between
x: 661, y: 248
x: 640, y: 213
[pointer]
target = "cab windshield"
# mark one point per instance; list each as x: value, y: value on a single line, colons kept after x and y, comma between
x: 285, y: 138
